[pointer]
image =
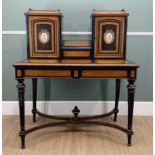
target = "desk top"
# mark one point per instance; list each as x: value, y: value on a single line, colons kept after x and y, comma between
x: 76, y: 62
x: 76, y: 68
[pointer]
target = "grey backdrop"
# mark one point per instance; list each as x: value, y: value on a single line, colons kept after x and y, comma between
x: 77, y: 18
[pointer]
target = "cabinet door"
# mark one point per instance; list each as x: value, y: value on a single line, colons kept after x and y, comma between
x: 109, y: 35
x: 44, y: 36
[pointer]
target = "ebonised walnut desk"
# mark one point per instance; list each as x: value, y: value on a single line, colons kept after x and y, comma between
x: 103, y: 56
x: 75, y: 68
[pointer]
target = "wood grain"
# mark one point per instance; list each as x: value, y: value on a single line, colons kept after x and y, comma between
x: 104, y: 73
x: 76, y: 54
x: 132, y: 73
x: 47, y: 73
x: 32, y: 35
x: 76, y: 62
x: 19, y: 72
x: 76, y: 73
x: 44, y: 12
x: 101, y: 21
x: 51, y: 36
x: 101, y: 40
x: 77, y: 140
x: 109, y: 13
x: 76, y: 43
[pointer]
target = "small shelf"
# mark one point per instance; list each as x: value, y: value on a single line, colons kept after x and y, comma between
x: 76, y: 49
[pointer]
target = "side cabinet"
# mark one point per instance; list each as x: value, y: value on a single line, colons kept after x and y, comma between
x: 43, y: 34
x: 109, y: 34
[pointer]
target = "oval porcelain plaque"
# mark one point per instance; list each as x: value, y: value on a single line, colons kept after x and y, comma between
x: 44, y: 36
x: 109, y: 36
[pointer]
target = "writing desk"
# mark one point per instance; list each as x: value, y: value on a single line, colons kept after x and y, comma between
x: 81, y: 69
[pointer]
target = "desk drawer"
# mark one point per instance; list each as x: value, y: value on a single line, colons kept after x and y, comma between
x: 76, y: 54
x: 47, y: 73
x: 104, y: 73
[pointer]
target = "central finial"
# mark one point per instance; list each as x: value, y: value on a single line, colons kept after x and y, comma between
x: 76, y: 111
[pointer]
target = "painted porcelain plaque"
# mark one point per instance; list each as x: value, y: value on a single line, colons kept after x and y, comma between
x: 109, y: 36
x: 44, y: 36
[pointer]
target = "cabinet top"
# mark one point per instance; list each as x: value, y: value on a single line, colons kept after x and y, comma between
x: 109, y: 13
x: 43, y: 12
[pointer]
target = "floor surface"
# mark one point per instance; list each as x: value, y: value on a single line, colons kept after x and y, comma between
x: 78, y: 140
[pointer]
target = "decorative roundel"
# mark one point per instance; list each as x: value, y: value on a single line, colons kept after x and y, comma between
x: 44, y: 36
x: 109, y: 36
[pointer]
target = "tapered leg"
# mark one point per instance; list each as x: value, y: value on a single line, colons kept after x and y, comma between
x: 118, y: 82
x: 34, y: 85
x: 21, y: 89
x: 131, y: 90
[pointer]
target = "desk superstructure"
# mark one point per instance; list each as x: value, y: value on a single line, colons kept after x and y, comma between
x: 101, y: 57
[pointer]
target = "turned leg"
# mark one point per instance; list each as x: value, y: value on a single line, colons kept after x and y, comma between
x: 34, y: 85
x: 20, y: 87
x: 118, y: 82
x: 131, y: 90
